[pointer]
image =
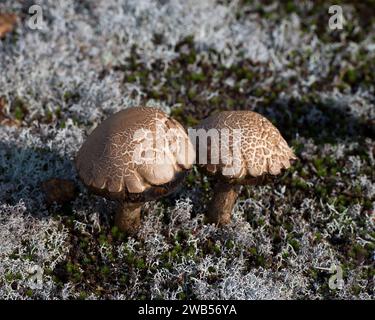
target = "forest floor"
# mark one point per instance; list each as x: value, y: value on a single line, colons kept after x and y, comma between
x: 192, y: 59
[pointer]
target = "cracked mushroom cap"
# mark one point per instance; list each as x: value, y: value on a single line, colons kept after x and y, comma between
x: 138, y: 154
x: 252, y: 146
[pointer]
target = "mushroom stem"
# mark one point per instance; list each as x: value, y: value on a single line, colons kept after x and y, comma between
x: 128, y: 217
x: 222, y: 203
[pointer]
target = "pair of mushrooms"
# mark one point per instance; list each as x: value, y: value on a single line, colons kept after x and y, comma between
x: 141, y: 154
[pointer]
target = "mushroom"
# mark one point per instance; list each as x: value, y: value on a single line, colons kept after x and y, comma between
x: 136, y: 155
x: 244, y: 147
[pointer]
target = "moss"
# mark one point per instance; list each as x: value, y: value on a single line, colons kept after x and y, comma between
x: 83, y: 295
x: 116, y: 233
x: 103, y: 239
x: 86, y: 260
x: 300, y: 184
x: 130, y: 258
x: 71, y: 96
x: 244, y: 73
x: 62, y: 124
x: 261, y: 261
x: 358, y: 252
x: 319, y: 164
x: 110, y: 256
x: 10, y: 276
x: 124, y: 279
x: 130, y: 78
x: 105, y: 271
x: 69, y: 267
x: 140, y: 263
x: 367, y: 204
x: 259, y: 92
x: 285, y: 255
x: 342, y: 202
x: 290, y: 6
x: 191, y: 178
x: 351, y: 76
x: 177, y: 249
x: 261, y: 222
x: 321, y: 191
x: 58, y: 112
x: 19, y: 109
x: 182, y: 296
x: 318, y: 236
x: 356, y: 289
x: 29, y: 293
x: 191, y: 121
x: 181, y: 235
x: 322, y: 172
x: 313, y: 273
x: 197, y: 77
x: 229, y: 244
x: 295, y: 244
x: 179, y: 114
x: 217, y: 249
x: 211, y: 269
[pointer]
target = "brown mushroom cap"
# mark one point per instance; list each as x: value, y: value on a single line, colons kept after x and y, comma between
x: 106, y: 161
x: 262, y: 148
